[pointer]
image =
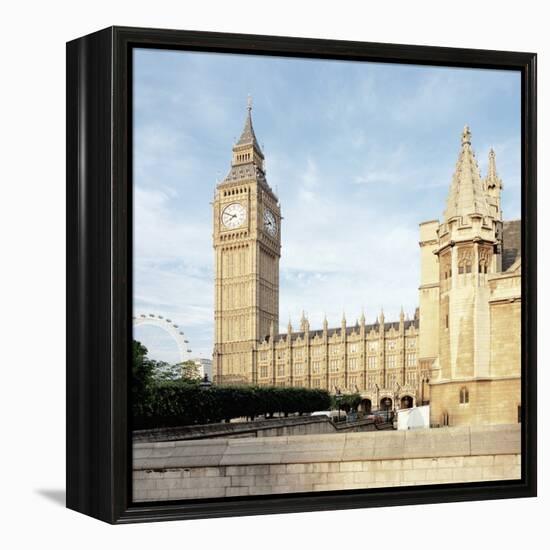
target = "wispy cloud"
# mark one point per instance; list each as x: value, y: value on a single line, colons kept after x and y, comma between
x: 358, y: 154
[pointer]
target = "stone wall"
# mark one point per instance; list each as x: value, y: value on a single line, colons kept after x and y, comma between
x: 238, y: 467
x: 506, y: 337
x: 492, y: 401
x: 297, y: 425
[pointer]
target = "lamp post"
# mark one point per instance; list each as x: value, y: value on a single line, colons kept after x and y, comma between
x: 395, y: 398
x: 205, y: 384
x: 338, y: 398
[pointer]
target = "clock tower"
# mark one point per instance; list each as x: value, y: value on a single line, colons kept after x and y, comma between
x: 247, y: 248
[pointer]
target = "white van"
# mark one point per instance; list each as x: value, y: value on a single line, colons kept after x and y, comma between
x: 331, y: 414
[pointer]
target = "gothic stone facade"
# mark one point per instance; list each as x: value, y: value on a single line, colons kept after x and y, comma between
x: 460, y: 353
x: 470, y: 301
x: 377, y: 360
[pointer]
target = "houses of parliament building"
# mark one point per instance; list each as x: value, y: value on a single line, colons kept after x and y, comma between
x: 460, y: 352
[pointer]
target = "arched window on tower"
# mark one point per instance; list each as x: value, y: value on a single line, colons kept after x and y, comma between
x: 483, y: 266
x: 447, y: 272
x: 464, y: 395
x: 465, y: 263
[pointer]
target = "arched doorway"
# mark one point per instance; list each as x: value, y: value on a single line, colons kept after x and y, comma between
x: 406, y: 402
x: 386, y: 404
x: 366, y: 406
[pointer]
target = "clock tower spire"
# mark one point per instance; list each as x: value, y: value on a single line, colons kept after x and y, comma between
x: 247, y: 249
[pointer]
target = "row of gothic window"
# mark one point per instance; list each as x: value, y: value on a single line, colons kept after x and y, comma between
x: 352, y: 382
x: 411, y: 378
x: 353, y: 363
x: 465, y: 268
x: 234, y: 192
x: 335, y: 350
x: 243, y: 157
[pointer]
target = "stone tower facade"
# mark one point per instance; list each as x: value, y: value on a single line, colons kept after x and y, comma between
x: 466, y: 284
x: 247, y: 248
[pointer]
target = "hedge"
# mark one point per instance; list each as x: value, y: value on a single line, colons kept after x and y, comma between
x: 182, y: 403
x: 346, y: 402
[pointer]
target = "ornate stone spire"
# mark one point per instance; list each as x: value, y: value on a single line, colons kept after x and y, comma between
x: 325, y: 324
x: 492, y: 176
x: 343, y: 325
x: 381, y: 317
x: 466, y: 195
x: 289, y: 326
x: 248, y: 137
x: 304, y: 323
x: 247, y: 162
x: 362, y: 318
x: 493, y: 186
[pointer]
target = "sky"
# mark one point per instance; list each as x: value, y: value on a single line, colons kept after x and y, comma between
x: 358, y: 153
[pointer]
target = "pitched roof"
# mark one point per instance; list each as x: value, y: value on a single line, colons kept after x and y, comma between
x: 248, y: 137
x: 466, y: 195
x: 245, y: 172
x: 511, y: 243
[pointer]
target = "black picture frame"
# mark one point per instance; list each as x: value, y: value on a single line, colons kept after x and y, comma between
x: 99, y: 277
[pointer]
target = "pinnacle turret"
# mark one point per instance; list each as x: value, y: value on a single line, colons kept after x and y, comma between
x: 304, y: 323
x: 466, y: 195
x: 492, y: 177
x: 493, y: 186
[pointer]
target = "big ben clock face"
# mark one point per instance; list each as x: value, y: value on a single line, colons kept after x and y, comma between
x: 233, y: 216
x: 270, y: 223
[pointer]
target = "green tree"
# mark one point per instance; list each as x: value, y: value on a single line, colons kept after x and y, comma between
x: 142, y: 381
x: 347, y: 402
x: 182, y: 403
x: 188, y: 371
